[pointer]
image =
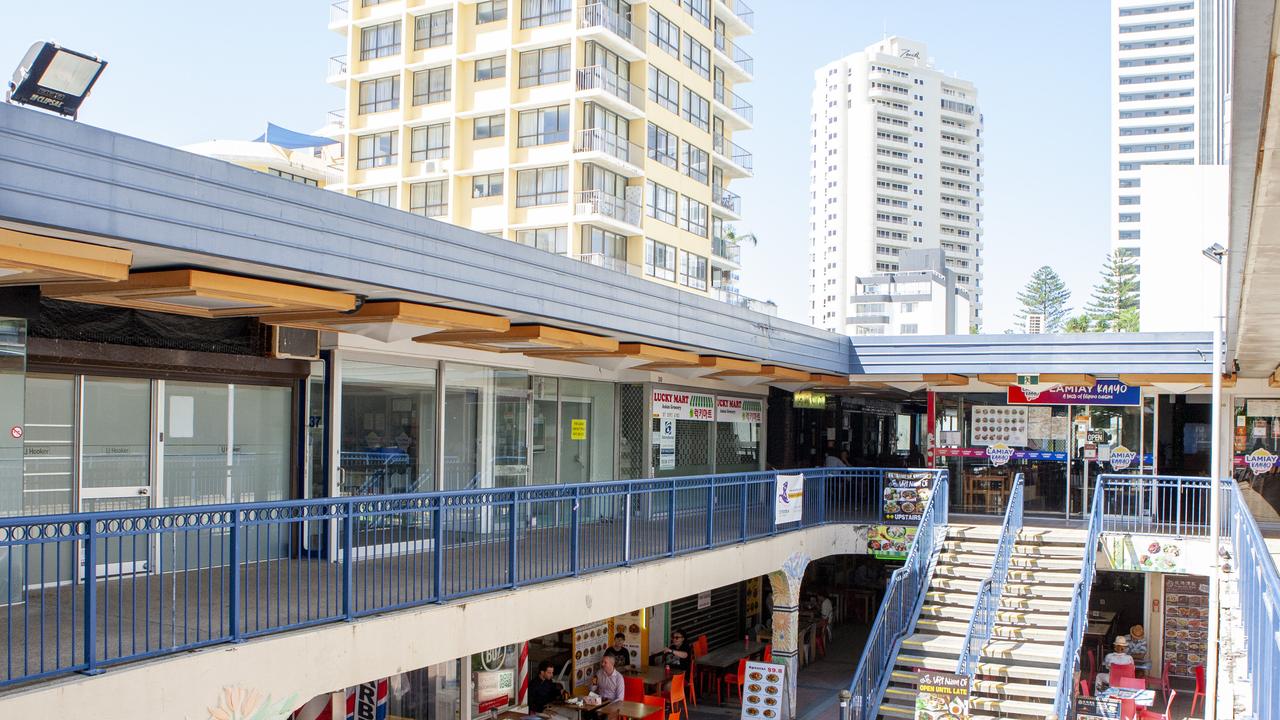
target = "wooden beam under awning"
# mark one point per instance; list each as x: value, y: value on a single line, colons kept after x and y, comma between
x: 627, y: 356
x: 1073, y: 379
x: 997, y: 378
x: 1205, y: 379
x: 729, y: 367
x: 777, y: 373
x: 203, y: 293
x: 944, y: 379
x: 521, y: 338
x: 27, y: 259
x: 393, y: 320
x: 826, y: 380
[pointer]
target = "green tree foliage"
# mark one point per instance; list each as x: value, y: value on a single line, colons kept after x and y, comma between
x: 1078, y: 324
x: 1045, y: 294
x: 1114, y: 306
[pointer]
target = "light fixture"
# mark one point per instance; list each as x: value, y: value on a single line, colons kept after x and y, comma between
x: 54, y: 78
x: 1215, y: 252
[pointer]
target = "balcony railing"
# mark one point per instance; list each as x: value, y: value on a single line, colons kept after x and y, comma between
x: 598, y: 202
x: 609, y: 262
x: 603, y: 16
x: 339, y: 12
x: 733, y: 297
x: 599, y: 77
x: 727, y: 148
x: 743, y: 11
x: 727, y: 249
x: 596, y: 140
x: 83, y: 591
x: 337, y: 66
x: 730, y: 99
x: 726, y: 199
x: 338, y: 118
x: 735, y: 53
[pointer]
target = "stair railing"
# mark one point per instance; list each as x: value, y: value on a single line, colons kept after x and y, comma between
x: 903, y: 598
x: 1078, y: 617
x: 987, y: 605
x: 1258, y: 594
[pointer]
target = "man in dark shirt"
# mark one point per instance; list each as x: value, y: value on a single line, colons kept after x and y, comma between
x: 621, y: 655
x: 543, y: 690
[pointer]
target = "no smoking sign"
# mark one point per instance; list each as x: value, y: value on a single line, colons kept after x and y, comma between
x: 15, y: 432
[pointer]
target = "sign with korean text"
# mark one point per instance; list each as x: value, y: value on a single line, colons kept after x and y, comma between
x: 764, y: 691
x: 905, y: 494
x: 680, y: 405
x: 1104, y: 392
x: 739, y: 410
x: 941, y: 696
x: 788, y: 499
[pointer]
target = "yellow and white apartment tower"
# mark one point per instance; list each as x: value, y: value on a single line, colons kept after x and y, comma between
x: 602, y: 130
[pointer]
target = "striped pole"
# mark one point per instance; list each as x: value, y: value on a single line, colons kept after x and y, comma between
x: 522, y: 696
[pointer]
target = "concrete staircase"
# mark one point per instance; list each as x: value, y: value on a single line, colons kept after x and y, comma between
x: 1021, y: 661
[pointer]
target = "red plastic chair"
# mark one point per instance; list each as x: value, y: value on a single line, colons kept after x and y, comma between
x: 1166, y: 679
x: 1120, y: 671
x: 1091, y: 667
x: 1145, y: 714
x: 1128, y: 709
x: 734, y: 679
x: 657, y: 701
x: 768, y: 653
x: 1084, y: 689
x: 820, y: 639
x: 1199, y: 694
x: 1132, y: 683
x: 632, y: 688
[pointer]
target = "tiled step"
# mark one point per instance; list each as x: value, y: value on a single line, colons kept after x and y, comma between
x: 1048, y: 577
x: 1018, y: 650
x: 1020, y: 562
x: 986, y: 667
x: 938, y: 611
x: 1029, y: 590
x: 966, y: 597
x: 1012, y: 632
x: 908, y: 712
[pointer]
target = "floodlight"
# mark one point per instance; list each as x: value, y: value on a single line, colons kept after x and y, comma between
x: 1215, y: 252
x: 54, y: 78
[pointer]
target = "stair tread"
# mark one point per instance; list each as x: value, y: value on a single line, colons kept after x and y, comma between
x: 1003, y: 617
x: 1007, y: 601
x: 999, y: 648
x: 1008, y: 687
x: 904, y: 711
x: 908, y: 696
x: 1031, y: 634
x: 986, y: 666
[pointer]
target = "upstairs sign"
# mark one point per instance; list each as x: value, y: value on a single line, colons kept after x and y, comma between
x: 1104, y: 392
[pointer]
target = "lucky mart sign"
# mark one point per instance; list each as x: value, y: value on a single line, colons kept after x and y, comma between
x: 678, y: 405
x: 739, y: 410
x: 1104, y: 392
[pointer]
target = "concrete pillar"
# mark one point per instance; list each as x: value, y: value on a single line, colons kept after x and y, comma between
x: 786, y: 621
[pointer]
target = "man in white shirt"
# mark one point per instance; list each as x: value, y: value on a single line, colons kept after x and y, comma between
x: 608, y: 682
x: 1120, y: 656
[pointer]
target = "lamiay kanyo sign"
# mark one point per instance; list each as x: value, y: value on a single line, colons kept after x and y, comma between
x: 1104, y: 392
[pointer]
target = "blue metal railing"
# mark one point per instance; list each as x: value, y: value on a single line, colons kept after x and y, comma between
x: 900, y: 607
x: 1259, y: 602
x: 79, y: 592
x: 1155, y: 504
x: 987, y: 604
x: 1078, y: 617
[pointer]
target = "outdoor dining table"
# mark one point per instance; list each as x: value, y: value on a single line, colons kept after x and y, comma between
x: 564, y: 708
x: 725, y: 659
x: 629, y: 709
x: 1143, y: 698
x: 653, y: 676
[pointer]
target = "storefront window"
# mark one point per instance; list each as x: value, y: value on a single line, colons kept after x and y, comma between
x: 431, y: 693
x: 586, y: 431
x: 493, y: 674
x: 1256, y: 440
x: 738, y: 424
x: 388, y: 429
x: 49, y: 453
x: 681, y: 426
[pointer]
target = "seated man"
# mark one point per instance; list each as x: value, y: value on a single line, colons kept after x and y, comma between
x: 608, y: 683
x: 543, y: 690
x: 1121, y: 656
x: 619, y: 652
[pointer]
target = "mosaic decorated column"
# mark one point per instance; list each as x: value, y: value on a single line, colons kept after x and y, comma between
x: 786, y: 621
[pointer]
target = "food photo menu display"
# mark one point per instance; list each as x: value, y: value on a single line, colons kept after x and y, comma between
x: 1186, y: 622
x: 991, y: 424
x: 906, y: 494
x: 589, y: 644
x: 763, y: 691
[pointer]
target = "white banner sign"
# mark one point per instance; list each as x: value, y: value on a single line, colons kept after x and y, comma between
x: 788, y: 498
x: 739, y: 410
x: 678, y: 405
x: 764, y: 691
x: 667, y: 445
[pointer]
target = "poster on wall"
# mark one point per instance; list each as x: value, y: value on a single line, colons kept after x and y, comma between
x: 788, y: 499
x: 1040, y: 423
x: 1087, y: 708
x: 890, y: 542
x: 679, y: 405
x: 942, y: 696
x: 1152, y: 553
x: 589, y: 643
x: 632, y: 626
x: 739, y: 410
x: 906, y: 494
x: 754, y: 598
x: 764, y: 691
x: 992, y: 424
x: 493, y: 688
x: 666, y: 444
x: 1186, y: 622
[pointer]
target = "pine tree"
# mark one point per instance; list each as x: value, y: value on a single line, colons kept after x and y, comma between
x: 1114, y: 306
x: 1078, y: 324
x: 1045, y: 294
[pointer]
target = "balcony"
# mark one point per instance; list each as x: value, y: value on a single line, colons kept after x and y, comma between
x: 726, y: 249
x: 741, y: 13
x: 738, y: 60
x: 737, y: 109
x: 610, y: 207
x: 621, y: 95
x: 726, y: 200
x: 594, y: 140
x: 339, y: 13
x: 336, y: 118
x: 733, y: 297
x: 599, y: 16
x: 609, y: 262
x: 737, y: 161
x: 337, y: 74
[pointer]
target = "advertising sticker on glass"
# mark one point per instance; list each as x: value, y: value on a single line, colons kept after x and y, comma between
x: 906, y: 494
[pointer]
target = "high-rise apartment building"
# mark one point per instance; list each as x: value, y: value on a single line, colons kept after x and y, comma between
x: 896, y: 165
x: 1170, y: 85
x: 605, y: 131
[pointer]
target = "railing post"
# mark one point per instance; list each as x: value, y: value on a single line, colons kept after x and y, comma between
x: 772, y: 505
x: 1177, y: 504
x: 234, y: 584
x: 348, y: 562
x: 742, y: 519
x: 845, y: 695
x: 437, y: 541
x: 671, y: 519
x: 822, y: 497
x: 512, y: 535
x: 91, y: 598
x: 626, y: 527
x: 573, y: 534
x: 711, y: 510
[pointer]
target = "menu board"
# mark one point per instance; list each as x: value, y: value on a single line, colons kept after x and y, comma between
x: 906, y: 494
x: 589, y: 643
x: 890, y: 542
x: 632, y: 625
x: 942, y: 696
x: 1087, y: 708
x: 993, y: 424
x: 764, y: 691
x: 1186, y: 622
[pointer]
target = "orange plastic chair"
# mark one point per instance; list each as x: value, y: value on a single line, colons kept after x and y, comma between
x: 675, y: 696
x: 657, y: 701
x: 1145, y: 714
x: 694, y: 676
x: 700, y: 678
x: 632, y: 689
x: 734, y: 679
x: 1084, y: 689
x: 1199, y: 694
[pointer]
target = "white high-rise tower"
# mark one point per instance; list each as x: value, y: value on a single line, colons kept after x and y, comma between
x: 896, y: 164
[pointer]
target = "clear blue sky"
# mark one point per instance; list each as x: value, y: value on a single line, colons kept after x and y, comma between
x: 197, y: 72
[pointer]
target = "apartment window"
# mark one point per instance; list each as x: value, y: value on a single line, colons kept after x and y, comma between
x: 430, y: 142
x: 1130, y: 217
x: 659, y: 260
x: 433, y: 30
x: 664, y: 33
x: 432, y: 86
x: 693, y: 270
x: 696, y: 109
x: 371, y: 3
x: 380, y: 41
x: 693, y: 216
x: 483, y: 186
x: 293, y: 177
x: 1153, y: 44
x: 699, y: 9
x: 1130, y: 200
x: 1155, y: 9
x: 908, y: 307
x: 909, y: 329
x: 491, y: 11
x: 664, y: 89
x: 378, y: 150
x: 490, y: 126
x: 1161, y: 95
x: 491, y: 68
x: 536, y: 13
x: 694, y: 162
x: 662, y: 146
x: 697, y: 56
x: 544, y: 126
x: 379, y: 95
x: 1130, y: 234
x: 544, y: 66
x: 1156, y: 112
x: 599, y: 56
x: 615, y: 128
x: 1157, y: 147
x: 429, y: 198
x: 542, y: 186
x: 378, y: 196
x: 660, y: 202
x: 550, y: 239
x: 596, y: 241
x: 1150, y: 27
x: 1159, y: 77
x: 1130, y: 182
